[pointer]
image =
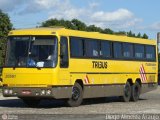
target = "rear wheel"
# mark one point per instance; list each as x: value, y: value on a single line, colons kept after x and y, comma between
x: 126, y: 93
x: 135, y: 91
x: 31, y: 102
x: 77, y: 96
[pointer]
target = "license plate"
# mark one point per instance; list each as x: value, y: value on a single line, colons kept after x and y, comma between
x: 26, y: 92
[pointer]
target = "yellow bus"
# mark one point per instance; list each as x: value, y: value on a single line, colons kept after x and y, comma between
x: 0, y: 76
x: 73, y: 65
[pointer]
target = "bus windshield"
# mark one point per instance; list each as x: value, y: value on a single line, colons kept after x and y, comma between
x: 31, y: 51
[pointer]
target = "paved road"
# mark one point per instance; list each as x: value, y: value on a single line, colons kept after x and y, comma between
x: 91, y: 109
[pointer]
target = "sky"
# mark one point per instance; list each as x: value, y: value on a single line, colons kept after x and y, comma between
x: 119, y: 15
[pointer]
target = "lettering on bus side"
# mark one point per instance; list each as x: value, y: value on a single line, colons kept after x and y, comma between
x: 100, y: 64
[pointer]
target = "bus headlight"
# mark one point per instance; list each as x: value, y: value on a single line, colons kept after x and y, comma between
x: 10, y: 91
x: 43, y: 92
x: 6, y: 91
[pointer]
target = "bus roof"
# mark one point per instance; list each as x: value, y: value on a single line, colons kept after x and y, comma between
x: 67, y: 32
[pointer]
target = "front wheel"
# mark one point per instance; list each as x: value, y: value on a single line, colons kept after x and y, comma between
x: 77, y: 96
x: 135, y: 91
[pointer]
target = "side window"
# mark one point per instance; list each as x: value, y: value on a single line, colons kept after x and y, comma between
x: 150, y: 52
x: 91, y: 48
x: 105, y: 51
x: 64, y: 62
x: 139, y: 51
x: 76, y: 46
x: 127, y: 50
x: 117, y: 49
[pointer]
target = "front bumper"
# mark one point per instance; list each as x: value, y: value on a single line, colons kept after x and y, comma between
x: 27, y: 92
x: 46, y: 92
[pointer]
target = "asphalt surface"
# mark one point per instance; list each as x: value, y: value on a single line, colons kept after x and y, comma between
x: 94, y: 109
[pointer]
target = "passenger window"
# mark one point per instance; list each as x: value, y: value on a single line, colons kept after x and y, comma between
x: 105, y: 51
x: 127, y: 50
x: 91, y: 48
x: 117, y: 48
x: 64, y: 62
x: 139, y: 51
x: 150, y: 52
x: 76, y: 46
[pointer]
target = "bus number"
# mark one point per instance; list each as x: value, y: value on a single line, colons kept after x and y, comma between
x: 10, y: 76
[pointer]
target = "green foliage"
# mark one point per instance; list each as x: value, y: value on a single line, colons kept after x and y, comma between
x: 145, y: 36
x: 130, y: 34
x: 5, y: 24
x: 76, y: 24
x: 93, y: 28
x: 139, y: 35
x: 5, y: 27
x: 3, y: 42
x: 108, y: 31
x: 120, y: 33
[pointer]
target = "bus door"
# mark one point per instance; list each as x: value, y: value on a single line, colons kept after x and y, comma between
x: 64, y: 61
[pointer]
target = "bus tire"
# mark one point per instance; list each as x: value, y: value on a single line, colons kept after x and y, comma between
x: 77, y: 96
x: 30, y: 102
x: 126, y: 93
x: 135, y: 91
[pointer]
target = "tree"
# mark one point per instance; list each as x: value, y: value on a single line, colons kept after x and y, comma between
x: 130, y: 34
x: 76, y: 24
x: 145, y: 36
x: 120, y: 33
x: 5, y: 24
x: 5, y: 27
x: 52, y: 22
x: 108, y: 31
x: 139, y: 35
x: 93, y: 28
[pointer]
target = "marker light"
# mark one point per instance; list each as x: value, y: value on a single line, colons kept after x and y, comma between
x: 48, y: 92
x: 43, y: 92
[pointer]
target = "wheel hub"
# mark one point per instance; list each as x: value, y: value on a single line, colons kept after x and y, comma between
x: 75, y: 93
